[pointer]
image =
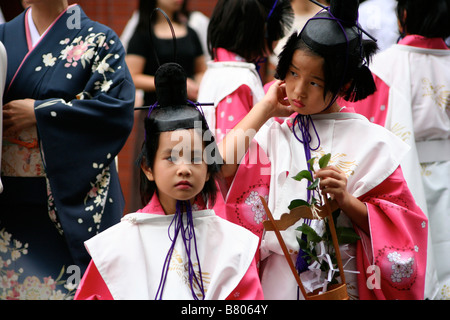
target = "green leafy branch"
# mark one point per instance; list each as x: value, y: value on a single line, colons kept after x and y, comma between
x: 314, y: 183
x: 345, y: 235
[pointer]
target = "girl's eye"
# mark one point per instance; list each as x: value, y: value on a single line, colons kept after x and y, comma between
x: 294, y: 74
x: 315, y: 84
x: 197, y: 158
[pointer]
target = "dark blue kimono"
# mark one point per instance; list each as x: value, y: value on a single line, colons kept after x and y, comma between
x: 84, y: 110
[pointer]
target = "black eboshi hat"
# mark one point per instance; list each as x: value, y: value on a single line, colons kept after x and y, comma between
x: 335, y: 30
x: 172, y: 110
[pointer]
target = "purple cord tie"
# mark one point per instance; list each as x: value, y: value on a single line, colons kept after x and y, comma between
x: 303, y: 123
x: 271, y: 11
x: 187, y: 234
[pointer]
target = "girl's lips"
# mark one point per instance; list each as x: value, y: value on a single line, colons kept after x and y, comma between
x: 183, y: 185
x: 298, y: 104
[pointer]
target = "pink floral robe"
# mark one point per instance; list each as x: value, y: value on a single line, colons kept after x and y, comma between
x: 391, y: 260
x: 413, y: 102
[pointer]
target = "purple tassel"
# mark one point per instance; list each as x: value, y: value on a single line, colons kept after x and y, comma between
x: 301, y: 265
x: 187, y: 234
x: 303, y: 122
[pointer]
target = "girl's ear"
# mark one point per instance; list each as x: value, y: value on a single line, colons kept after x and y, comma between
x: 147, y: 171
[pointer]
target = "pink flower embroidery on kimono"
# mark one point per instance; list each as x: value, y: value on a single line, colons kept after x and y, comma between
x: 75, y: 53
x: 257, y: 207
x: 399, y: 266
x: 81, y: 50
x: 93, y: 192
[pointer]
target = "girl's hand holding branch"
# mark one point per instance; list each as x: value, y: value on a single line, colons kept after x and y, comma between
x: 333, y: 182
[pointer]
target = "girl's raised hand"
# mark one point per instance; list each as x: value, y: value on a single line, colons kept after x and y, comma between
x: 275, y: 101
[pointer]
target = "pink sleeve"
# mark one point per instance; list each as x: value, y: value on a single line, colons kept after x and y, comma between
x: 250, y: 286
x: 92, y: 286
x: 243, y: 205
x: 232, y: 109
x: 392, y: 261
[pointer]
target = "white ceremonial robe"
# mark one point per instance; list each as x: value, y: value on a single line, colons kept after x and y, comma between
x: 367, y: 159
x: 223, y: 78
x: 130, y: 256
x: 419, y: 112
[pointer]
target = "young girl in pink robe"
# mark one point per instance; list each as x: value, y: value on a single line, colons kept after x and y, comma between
x: 316, y: 66
x: 413, y: 102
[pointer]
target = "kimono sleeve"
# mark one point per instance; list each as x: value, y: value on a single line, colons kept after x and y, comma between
x: 92, y: 286
x: 233, y: 109
x: 392, y: 262
x: 81, y: 138
x: 250, y: 286
x: 97, y: 121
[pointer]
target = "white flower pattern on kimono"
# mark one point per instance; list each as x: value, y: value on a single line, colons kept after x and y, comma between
x: 103, y: 86
x: 52, y: 211
x: 256, y: 205
x: 31, y: 287
x: 97, y: 218
x: 95, y: 199
x: 48, y: 59
x: 400, y: 268
x: 13, y: 246
x: 83, y: 51
x: 103, y: 66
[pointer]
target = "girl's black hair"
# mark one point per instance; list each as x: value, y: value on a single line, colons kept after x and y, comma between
x: 148, y: 153
x: 248, y: 27
x: 346, y: 61
x: 428, y: 18
x: 172, y: 112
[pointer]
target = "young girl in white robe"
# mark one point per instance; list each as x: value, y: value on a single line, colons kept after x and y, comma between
x: 326, y: 60
x: 176, y: 247
x: 414, y: 103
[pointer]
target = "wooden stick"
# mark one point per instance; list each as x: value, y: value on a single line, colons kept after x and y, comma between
x: 335, y: 240
x: 284, y: 248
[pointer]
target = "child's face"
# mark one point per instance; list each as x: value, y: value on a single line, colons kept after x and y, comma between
x: 305, y: 83
x: 179, y: 169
